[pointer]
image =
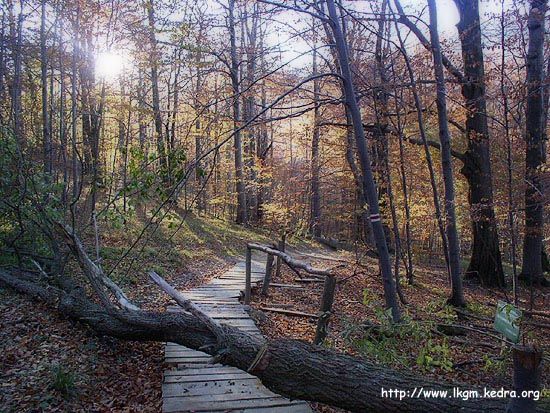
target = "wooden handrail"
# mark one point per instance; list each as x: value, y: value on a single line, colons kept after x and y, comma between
x: 327, y: 300
x: 288, y: 260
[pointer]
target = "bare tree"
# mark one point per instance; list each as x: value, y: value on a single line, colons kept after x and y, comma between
x: 485, y: 262
x: 46, y: 129
x: 315, y: 215
x: 154, y: 54
x: 369, y: 186
x: 242, y: 211
x: 457, y: 295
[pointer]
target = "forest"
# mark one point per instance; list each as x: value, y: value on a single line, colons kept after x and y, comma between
x: 274, y: 206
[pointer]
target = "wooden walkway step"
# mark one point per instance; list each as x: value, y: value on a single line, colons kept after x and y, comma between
x: 193, y: 384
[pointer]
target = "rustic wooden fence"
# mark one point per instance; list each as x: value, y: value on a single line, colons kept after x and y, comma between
x: 327, y: 299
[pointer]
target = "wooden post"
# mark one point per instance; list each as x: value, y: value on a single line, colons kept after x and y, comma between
x: 527, y: 372
x: 281, y: 247
x: 248, y: 279
x: 267, y: 277
x: 326, y: 309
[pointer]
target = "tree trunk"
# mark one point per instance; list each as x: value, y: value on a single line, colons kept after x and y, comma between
x: 62, y: 120
x: 485, y: 262
x: 17, y: 39
x: 457, y: 294
x: 535, y: 153
x: 509, y: 159
x: 369, y: 187
x: 425, y: 144
x: 46, y: 132
x: 74, y: 114
x: 242, y: 213
x: 380, y: 147
x: 325, y: 311
x: 154, y: 55
x: 315, y: 213
x: 527, y: 373
x: 404, y: 184
x: 264, y: 144
x: 250, y: 24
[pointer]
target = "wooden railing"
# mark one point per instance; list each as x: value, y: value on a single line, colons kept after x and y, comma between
x: 325, y: 308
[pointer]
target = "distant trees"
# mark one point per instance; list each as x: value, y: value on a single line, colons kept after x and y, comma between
x: 215, y: 115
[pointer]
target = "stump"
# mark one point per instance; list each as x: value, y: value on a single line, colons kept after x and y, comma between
x: 527, y: 372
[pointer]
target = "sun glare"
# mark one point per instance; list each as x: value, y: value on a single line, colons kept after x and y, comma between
x: 109, y: 65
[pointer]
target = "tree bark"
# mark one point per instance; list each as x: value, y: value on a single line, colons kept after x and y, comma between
x: 315, y: 213
x: 325, y: 311
x: 485, y: 262
x: 369, y: 187
x: 46, y: 130
x: 74, y: 114
x: 404, y: 184
x: 535, y: 153
x: 380, y: 147
x: 457, y: 294
x: 527, y: 373
x: 426, y: 144
x: 16, y: 34
x: 154, y: 55
x: 242, y: 213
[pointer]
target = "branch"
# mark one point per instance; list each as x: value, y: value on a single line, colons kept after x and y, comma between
x: 288, y: 260
x: 403, y: 19
x: 95, y: 275
x: 187, y: 305
x: 296, y: 9
x: 456, y: 154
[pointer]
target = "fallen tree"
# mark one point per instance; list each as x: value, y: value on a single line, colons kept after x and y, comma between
x: 290, y: 367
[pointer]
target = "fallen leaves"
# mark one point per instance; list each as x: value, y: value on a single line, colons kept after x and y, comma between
x: 50, y: 364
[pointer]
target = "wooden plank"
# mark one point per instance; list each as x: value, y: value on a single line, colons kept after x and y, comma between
x: 214, y: 294
x: 289, y: 312
x: 207, y: 377
x: 216, y: 287
x: 226, y: 311
x: 296, y: 408
x: 181, y: 363
x: 184, y: 404
x: 204, y: 358
x: 249, y: 387
x: 204, y: 371
x: 185, y: 366
x: 260, y: 393
x: 278, y: 285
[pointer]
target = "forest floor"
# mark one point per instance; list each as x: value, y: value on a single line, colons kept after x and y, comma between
x: 50, y: 364
x: 476, y: 357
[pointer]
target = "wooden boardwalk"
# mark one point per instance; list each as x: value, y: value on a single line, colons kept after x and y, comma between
x: 191, y: 384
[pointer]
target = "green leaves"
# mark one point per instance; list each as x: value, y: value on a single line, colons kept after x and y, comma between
x: 433, y: 355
